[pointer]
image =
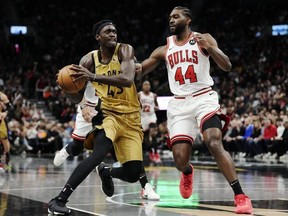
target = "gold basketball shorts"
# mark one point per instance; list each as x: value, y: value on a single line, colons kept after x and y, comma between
x: 124, y: 130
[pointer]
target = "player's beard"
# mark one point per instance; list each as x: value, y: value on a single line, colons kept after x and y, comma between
x: 178, y: 29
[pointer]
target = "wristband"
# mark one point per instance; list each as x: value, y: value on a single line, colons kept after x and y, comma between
x: 94, y: 78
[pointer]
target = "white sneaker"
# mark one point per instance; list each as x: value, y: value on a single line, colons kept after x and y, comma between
x: 148, y: 193
x: 60, y: 156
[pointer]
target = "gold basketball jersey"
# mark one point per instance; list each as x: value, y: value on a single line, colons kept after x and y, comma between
x: 115, y: 99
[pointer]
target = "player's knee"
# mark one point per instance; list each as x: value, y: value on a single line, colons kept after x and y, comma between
x: 214, y: 144
x: 132, y: 170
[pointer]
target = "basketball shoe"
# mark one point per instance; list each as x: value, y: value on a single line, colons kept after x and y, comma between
x: 186, y: 184
x: 60, y: 156
x: 57, y: 206
x: 107, y: 182
x: 151, y: 156
x: 148, y: 193
x: 157, y: 158
x: 243, y: 204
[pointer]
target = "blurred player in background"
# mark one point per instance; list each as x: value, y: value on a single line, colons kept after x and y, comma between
x: 5, y: 108
x: 117, y: 123
x: 149, y: 105
x: 195, y: 105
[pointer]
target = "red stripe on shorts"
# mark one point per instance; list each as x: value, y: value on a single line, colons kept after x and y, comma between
x: 77, y: 137
x: 182, y: 137
x: 207, y: 116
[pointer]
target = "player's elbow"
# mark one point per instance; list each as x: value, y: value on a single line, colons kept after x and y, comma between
x: 227, y: 67
x: 126, y: 82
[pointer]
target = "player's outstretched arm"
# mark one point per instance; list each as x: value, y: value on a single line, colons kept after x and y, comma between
x: 207, y: 42
x: 151, y: 63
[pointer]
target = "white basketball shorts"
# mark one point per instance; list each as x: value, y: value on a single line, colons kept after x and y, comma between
x: 186, y: 114
x: 146, y: 120
x: 81, y: 128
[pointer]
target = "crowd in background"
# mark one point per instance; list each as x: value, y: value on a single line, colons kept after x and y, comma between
x: 253, y: 93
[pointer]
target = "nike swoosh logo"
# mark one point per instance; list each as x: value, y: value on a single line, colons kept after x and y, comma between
x: 211, y: 93
x: 171, y: 48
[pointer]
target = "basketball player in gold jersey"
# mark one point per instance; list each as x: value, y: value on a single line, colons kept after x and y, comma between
x: 5, y: 106
x: 118, y: 120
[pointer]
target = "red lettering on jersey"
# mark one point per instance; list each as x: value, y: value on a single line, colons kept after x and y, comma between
x: 176, y: 57
x: 170, y: 59
x: 188, y: 59
x: 195, y: 56
x: 179, y: 57
x: 182, y: 59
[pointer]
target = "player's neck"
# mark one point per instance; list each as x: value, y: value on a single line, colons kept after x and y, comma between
x: 105, y: 54
x: 183, y: 36
x: 146, y: 93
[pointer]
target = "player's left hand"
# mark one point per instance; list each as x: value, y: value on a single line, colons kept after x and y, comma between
x: 203, y: 40
x: 82, y: 73
x: 88, y: 113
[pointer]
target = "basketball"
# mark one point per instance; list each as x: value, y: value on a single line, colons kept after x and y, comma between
x: 67, y: 83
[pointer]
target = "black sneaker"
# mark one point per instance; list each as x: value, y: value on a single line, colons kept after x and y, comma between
x: 107, y: 182
x: 58, y: 207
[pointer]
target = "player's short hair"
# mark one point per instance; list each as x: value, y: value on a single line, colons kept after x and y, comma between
x: 97, y: 27
x: 146, y: 81
x: 187, y: 12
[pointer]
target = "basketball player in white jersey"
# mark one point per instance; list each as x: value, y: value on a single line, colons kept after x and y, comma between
x: 83, y: 125
x: 149, y: 105
x: 195, y: 104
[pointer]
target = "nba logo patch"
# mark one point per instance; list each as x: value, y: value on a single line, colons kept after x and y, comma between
x: 192, y: 42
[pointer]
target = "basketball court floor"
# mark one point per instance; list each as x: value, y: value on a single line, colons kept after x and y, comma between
x: 33, y: 181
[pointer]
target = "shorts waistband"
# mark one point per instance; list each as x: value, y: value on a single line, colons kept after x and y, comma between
x: 194, y: 94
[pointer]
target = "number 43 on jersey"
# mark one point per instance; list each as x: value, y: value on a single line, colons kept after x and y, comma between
x: 188, y: 75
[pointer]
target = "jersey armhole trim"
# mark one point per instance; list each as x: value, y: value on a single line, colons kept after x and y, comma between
x: 203, y: 53
x: 166, y: 50
x: 93, y: 61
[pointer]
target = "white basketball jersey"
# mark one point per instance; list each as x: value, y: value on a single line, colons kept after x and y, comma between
x: 187, y: 66
x: 147, y: 103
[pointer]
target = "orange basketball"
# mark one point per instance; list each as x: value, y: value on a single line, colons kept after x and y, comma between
x: 67, y: 83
